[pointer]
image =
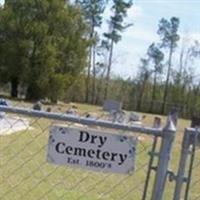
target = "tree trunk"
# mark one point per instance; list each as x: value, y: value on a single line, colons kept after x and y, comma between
x: 140, y: 97
x: 87, y: 93
x: 33, y: 92
x: 99, y: 91
x: 94, y: 74
x: 167, y: 81
x: 151, y: 109
x: 181, y: 65
x: 108, y: 71
x: 14, y: 87
x: 141, y: 93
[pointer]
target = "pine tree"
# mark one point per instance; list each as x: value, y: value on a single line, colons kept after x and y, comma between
x: 93, y: 11
x: 168, y: 31
x: 156, y: 56
x: 113, y: 36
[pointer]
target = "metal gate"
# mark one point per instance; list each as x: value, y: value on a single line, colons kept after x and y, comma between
x: 25, y: 174
x: 188, y: 178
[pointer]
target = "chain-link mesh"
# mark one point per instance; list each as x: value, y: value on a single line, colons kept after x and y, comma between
x: 187, y: 179
x: 194, y: 189
x: 25, y: 173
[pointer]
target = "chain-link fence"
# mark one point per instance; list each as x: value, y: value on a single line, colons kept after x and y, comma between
x: 187, y: 178
x: 194, y: 189
x: 26, y: 174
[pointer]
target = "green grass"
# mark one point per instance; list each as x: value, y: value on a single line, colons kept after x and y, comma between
x: 25, y: 174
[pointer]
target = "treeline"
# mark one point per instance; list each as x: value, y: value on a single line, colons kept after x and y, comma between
x: 185, y: 97
x: 54, y: 49
x: 167, y: 77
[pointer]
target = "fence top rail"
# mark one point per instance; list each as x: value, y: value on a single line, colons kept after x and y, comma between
x: 192, y: 130
x: 82, y: 120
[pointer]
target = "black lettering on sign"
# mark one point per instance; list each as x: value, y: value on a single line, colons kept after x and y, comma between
x: 99, y: 154
x: 106, y: 155
x: 60, y: 147
x: 72, y: 161
x: 84, y: 136
x: 80, y: 152
x: 91, y: 153
x: 92, y: 139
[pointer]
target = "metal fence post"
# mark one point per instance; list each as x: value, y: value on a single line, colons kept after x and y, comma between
x: 186, y: 159
x: 193, y: 142
x: 182, y: 165
x: 164, y: 157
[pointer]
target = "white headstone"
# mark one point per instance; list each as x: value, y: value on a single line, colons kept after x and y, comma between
x: 110, y: 105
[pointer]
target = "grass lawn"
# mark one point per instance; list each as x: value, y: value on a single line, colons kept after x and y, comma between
x: 25, y: 174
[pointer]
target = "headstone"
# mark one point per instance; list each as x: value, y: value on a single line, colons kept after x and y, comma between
x: 157, y: 122
x: 110, y: 105
x: 134, y: 117
x: 117, y: 116
x: 71, y: 111
x: 37, y: 106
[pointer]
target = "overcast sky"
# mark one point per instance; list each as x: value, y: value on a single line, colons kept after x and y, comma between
x: 145, y: 14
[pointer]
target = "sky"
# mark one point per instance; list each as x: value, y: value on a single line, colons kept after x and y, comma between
x: 145, y: 15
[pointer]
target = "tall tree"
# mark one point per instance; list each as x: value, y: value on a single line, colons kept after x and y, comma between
x: 116, y: 25
x: 43, y: 46
x: 93, y: 11
x: 100, y: 74
x: 157, y: 56
x: 168, y: 31
x: 143, y: 77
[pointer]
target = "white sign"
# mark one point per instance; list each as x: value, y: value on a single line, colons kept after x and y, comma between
x: 91, y: 149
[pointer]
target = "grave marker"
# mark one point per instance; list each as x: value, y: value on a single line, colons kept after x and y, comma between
x: 110, y: 105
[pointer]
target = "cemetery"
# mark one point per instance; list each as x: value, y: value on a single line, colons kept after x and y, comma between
x: 99, y: 100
